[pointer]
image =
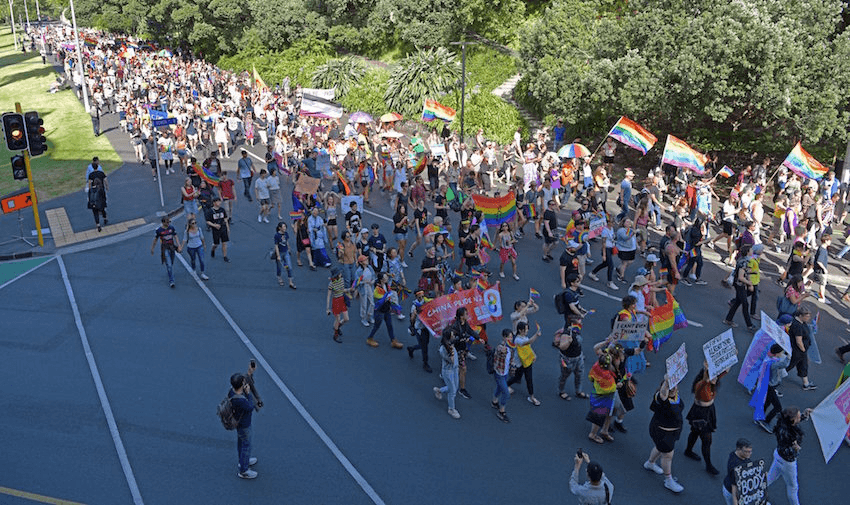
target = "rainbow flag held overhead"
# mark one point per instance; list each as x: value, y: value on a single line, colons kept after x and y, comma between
x: 665, y: 319
x: 481, y: 284
x: 89, y: 41
x: 678, y: 153
x: 420, y: 165
x: 434, y: 110
x: 208, y: 176
x: 633, y: 135
x: 569, y: 231
x: 533, y: 293
x: 804, y: 164
x: 296, y: 215
x: 258, y: 81
x: 725, y: 172
x: 496, y: 210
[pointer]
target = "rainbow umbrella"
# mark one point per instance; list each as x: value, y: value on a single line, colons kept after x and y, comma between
x: 361, y: 117
x: 573, y: 151
x: 390, y: 117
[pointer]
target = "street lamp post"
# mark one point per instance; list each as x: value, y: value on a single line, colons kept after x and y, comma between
x: 12, y: 19
x: 80, y: 59
x: 462, y: 45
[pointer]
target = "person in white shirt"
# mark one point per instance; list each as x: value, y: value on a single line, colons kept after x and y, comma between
x: 597, y: 490
x: 261, y: 192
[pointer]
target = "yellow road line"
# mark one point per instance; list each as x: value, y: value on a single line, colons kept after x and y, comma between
x: 36, y: 497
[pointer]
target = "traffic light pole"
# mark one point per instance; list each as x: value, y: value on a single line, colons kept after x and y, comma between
x: 33, y: 195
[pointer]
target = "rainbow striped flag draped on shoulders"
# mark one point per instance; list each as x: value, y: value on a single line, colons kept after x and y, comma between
x: 804, y: 164
x: 633, y: 135
x: 383, y: 296
x: 678, y: 153
x: 665, y: 319
x: 496, y: 210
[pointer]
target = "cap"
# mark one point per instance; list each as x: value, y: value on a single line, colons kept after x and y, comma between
x: 653, y: 258
x: 361, y: 258
x: 572, y: 244
x: 758, y: 249
x: 640, y: 280
x: 642, y: 271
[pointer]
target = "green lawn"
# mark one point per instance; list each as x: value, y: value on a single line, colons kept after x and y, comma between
x: 70, y: 139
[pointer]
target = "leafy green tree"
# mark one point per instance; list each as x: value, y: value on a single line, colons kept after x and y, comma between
x: 339, y: 73
x: 424, y: 74
x: 281, y: 23
x: 368, y: 93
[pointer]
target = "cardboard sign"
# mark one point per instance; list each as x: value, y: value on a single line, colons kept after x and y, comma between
x: 323, y: 163
x: 482, y: 307
x: 438, y: 149
x: 776, y: 332
x: 345, y: 202
x: 677, y: 366
x: 720, y: 353
x: 832, y: 418
x: 596, y: 223
x: 630, y: 330
x: 307, y: 185
x: 752, y: 483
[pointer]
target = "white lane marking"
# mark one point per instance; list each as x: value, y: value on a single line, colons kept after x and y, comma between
x: 608, y: 295
x: 31, y: 270
x: 346, y: 463
x: 101, y: 392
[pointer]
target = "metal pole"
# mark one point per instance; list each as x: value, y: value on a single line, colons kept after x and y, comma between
x: 33, y: 195
x: 462, y: 88
x: 37, y: 13
x: 845, y: 174
x: 158, y: 175
x: 12, y: 19
x: 27, y: 10
x: 80, y: 59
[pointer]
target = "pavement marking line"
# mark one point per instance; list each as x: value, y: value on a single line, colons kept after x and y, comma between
x: 608, y: 295
x: 31, y: 270
x: 101, y: 392
x: 36, y: 497
x: 314, y: 425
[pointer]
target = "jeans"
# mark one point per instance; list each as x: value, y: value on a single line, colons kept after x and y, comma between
x: 754, y: 300
x: 286, y: 262
x: 569, y: 366
x: 386, y: 318
x: 607, y: 263
x: 740, y: 300
x: 727, y: 496
x: 788, y: 471
x: 169, y: 265
x: 246, y: 181
x: 422, y: 339
x: 450, y: 377
x: 367, y: 305
x: 696, y: 259
x: 656, y: 210
x: 243, y: 447
x: 844, y: 250
x: 199, y: 252
x: 95, y: 122
x: 348, y: 270
x: 501, y: 391
x: 625, y: 212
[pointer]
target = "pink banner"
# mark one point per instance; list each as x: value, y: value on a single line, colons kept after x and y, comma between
x: 483, y: 307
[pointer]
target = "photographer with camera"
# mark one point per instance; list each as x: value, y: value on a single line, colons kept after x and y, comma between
x: 597, y: 490
x: 244, y: 400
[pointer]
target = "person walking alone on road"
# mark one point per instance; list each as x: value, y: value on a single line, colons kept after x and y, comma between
x: 336, y: 303
x: 281, y: 252
x: 502, y: 358
x: 169, y: 243
x: 261, y: 191
x: 243, y: 408
x: 96, y: 187
x: 193, y: 239
x: 245, y: 167
x: 220, y: 225
x: 449, y: 372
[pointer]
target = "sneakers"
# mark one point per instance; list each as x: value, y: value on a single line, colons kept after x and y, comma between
x: 779, y: 393
x: 260, y: 219
x: 371, y: 342
x: 395, y: 344
x: 403, y: 264
x: 454, y: 413
x: 763, y: 425
x: 401, y: 317
x: 247, y: 474
x: 653, y: 467
x: 516, y: 277
x: 266, y: 219
x: 410, y: 351
x: 672, y: 485
x: 226, y: 259
x: 171, y: 284
x: 809, y: 387
x: 700, y: 282
x: 365, y: 323
x: 686, y: 281
x: 471, y: 356
x: 593, y: 276
x: 503, y: 416
x: 204, y: 277
x: 464, y: 393
x: 620, y: 427
x: 612, y: 286
x: 502, y: 275
x: 438, y: 394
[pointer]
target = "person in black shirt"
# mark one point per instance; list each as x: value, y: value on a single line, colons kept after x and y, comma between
x: 665, y: 428
x: 353, y: 219
x: 740, y: 456
x: 471, y: 249
x: 462, y: 336
x: 571, y: 358
x: 243, y: 405
x: 420, y: 220
x: 550, y: 225
x: 441, y: 207
x: 96, y: 187
x: 569, y: 263
x: 801, y: 339
x: 169, y: 243
x: 220, y: 228
x: 789, y: 436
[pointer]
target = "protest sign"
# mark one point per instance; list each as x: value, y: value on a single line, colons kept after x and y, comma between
x: 776, y: 332
x: 483, y: 307
x: 832, y: 418
x: 720, y: 353
x: 595, y: 224
x: 752, y: 483
x: 345, y: 202
x: 438, y: 150
x: 677, y: 366
x: 307, y: 185
x: 749, y: 374
x: 323, y: 163
x: 630, y: 330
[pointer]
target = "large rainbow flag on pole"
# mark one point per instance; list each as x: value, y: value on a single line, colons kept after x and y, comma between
x: 435, y: 110
x: 261, y: 85
x: 633, y: 135
x: 665, y: 319
x: 802, y: 163
x: 678, y: 153
x: 496, y: 210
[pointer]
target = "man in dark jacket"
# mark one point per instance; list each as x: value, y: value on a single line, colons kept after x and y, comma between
x: 243, y: 407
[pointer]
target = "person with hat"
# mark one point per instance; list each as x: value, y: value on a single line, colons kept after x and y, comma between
x: 569, y: 264
x: 364, y: 285
x: 597, y: 489
x: 418, y: 330
x: 336, y: 302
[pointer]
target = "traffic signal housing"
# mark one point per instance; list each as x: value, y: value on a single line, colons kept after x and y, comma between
x: 15, y: 131
x: 35, y: 133
x: 19, y: 167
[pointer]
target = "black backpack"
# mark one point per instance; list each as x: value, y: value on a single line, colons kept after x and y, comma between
x: 560, y: 302
x: 662, y: 253
x: 226, y: 413
x: 490, y: 354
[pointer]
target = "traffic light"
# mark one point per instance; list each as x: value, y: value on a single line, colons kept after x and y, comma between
x: 35, y: 133
x: 19, y: 168
x: 13, y: 127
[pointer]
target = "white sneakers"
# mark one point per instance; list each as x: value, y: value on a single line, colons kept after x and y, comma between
x: 260, y: 218
x: 247, y: 474
x: 592, y: 276
x: 438, y: 394
x: 454, y: 413
x: 612, y: 286
x: 672, y: 485
x: 653, y: 467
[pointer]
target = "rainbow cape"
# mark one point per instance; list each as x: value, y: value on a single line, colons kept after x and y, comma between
x: 208, y: 176
x: 604, y: 382
x: 382, y: 296
x: 802, y: 163
x: 420, y: 165
x: 665, y: 319
x: 678, y: 153
x: 633, y: 135
x: 496, y: 210
x: 432, y: 110
x: 726, y: 172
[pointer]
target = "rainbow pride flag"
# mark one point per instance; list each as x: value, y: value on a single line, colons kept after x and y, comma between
x: 434, y: 110
x: 258, y: 81
x: 208, y: 176
x: 665, y: 319
x: 678, y: 153
x: 532, y: 211
x: 485, y: 242
x: 633, y: 135
x: 533, y: 293
x: 496, y: 210
x: 357, y: 282
x: 89, y: 41
x: 804, y: 164
x: 345, y: 188
x: 569, y: 231
x: 296, y: 215
x: 420, y: 165
x: 725, y: 172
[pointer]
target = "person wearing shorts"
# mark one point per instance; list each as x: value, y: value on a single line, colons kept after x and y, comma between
x: 665, y: 428
x: 262, y: 193
x: 220, y: 226
x: 336, y: 304
x: 228, y: 196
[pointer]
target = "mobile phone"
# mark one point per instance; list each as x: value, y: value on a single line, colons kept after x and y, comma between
x: 580, y: 454
x: 253, y: 364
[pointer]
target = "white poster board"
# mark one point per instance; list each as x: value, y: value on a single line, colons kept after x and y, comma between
x: 438, y: 149
x: 776, y: 332
x: 345, y: 203
x: 720, y: 353
x: 327, y: 94
x: 677, y: 366
x: 630, y: 330
x: 831, y: 419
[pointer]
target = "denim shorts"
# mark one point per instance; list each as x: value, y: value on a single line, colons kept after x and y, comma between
x: 401, y: 236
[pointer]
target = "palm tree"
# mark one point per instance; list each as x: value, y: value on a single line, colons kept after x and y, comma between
x: 339, y: 73
x: 425, y: 74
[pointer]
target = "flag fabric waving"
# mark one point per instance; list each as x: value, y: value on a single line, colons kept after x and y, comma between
x: 533, y: 293
x: 665, y: 319
x: 435, y: 110
x: 420, y: 165
x: 208, y: 176
x: 678, y: 153
x: 633, y: 135
x: 496, y: 210
x: 258, y: 81
x: 804, y: 164
x: 725, y: 172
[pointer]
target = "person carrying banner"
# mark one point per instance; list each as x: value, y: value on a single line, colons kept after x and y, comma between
x: 765, y: 393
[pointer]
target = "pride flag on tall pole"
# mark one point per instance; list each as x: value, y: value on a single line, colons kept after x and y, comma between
x: 633, y: 135
x: 804, y: 164
x: 434, y: 110
x: 678, y: 153
x: 261, y: 85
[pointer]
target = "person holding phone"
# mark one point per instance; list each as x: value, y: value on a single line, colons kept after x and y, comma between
x: 243, y: 407
x: 597, y: 488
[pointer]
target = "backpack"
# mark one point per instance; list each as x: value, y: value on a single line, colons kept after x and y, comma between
x: 560, y: 303
x: 741, y: 263
x: 490, y: 354
x: 226, y: 413
x: 662, y: 251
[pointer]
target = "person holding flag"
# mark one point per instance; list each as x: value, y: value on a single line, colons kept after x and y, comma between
x: 507, y: 252
x: 386, y: 301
